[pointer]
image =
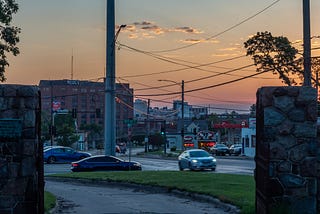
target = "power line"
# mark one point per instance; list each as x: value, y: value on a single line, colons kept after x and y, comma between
x: 207, y: 87
x: 222, y: 32
x: 171, y: 60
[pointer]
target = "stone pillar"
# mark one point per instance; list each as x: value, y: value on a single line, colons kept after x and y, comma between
x: 286, y: 152
x: 21, y: 153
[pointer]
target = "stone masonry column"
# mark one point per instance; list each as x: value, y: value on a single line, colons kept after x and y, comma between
x: 287, y: 150
x: 21, y: 153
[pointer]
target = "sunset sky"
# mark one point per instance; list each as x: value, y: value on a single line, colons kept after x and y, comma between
x: 162, y: 40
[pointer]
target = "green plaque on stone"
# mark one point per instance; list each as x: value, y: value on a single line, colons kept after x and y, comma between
x: 10, y: 128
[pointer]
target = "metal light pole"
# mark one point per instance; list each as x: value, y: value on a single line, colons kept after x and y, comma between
x: 182, y: 106
x: 110, y: 104
x: 110, y: 114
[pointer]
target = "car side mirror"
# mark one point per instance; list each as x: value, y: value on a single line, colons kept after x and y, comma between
x: 187, y: 156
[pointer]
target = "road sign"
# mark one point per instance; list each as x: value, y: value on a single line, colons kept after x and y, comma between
x: 130, y: 121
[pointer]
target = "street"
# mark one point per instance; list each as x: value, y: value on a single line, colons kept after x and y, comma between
x: 231, y: 165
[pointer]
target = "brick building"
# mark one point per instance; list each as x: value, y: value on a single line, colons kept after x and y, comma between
x: 87, y: 98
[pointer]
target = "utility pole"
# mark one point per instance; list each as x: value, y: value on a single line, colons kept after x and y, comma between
x: 51, y: 114
x: 306, y: 43
x: 148, y: 128
x: 182, y: 111
x: 109, y: 113
x: 182, y: 107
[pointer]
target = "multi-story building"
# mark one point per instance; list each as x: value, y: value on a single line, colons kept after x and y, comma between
x: 140, y: 109
x: 87, y: 99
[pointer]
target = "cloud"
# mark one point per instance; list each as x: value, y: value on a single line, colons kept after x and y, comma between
x: 148, y: 29
x: 186, y: 30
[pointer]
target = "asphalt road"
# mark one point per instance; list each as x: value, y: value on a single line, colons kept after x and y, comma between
x: 232, y: 165
x: 100, y: 199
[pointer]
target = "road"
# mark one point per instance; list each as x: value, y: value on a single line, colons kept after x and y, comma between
x: 231, y: 165
x: 99, y: 199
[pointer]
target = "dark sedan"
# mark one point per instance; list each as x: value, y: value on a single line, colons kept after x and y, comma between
x: 104, y: 163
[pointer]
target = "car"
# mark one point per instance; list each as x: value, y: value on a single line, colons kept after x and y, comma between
x: 104, y: 163
x: 196, y: 159
x: 62, y: 154
x: 219, y: 149
x: 235, y: 149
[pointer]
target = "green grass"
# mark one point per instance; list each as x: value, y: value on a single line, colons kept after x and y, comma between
x: 49, y: 201
x: 238, y: 190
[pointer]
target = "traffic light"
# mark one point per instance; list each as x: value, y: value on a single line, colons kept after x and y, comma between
x: 74, y: 113
x: 163, y: 130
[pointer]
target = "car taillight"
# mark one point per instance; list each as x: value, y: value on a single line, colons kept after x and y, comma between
x: 74, y: 164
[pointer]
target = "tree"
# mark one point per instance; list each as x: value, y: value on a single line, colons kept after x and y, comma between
x: 95, y: 133
x: 275, y: 54
x: 253, y: 110
x: 8, y: 34
x: 66, y: 129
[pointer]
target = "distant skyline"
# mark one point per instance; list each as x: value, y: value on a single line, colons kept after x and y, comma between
x: 164, y: 40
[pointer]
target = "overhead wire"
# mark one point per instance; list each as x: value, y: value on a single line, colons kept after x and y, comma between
x: 220, y: 33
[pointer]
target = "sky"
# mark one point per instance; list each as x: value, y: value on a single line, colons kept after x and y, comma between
x: 162, y: 40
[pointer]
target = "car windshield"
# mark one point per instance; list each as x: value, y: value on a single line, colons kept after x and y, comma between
x: 199, y: 154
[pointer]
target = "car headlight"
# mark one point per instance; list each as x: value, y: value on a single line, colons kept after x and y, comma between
x: 194, y: 161
x: 214, y: 160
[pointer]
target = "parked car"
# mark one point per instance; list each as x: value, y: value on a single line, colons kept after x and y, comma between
x: 235, y: 149
x: 104, y: 163
x: 196, y: 159
x: 219, y: 149
x: 61, y: 154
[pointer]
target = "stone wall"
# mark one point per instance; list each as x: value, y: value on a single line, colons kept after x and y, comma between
x: 21, y: 165
x: 287, y: 150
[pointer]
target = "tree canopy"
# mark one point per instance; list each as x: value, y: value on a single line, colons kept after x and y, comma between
x: 275, y: 54
x: 8, y: 34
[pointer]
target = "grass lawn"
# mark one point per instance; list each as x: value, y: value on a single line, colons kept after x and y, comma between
x: 49, y: 201
x: 238, y: 190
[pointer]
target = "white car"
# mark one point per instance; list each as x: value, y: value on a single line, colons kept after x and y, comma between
x: 196, y: 159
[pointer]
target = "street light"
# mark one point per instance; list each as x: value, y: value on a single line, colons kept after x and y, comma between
x: 182, y: 106
x: 110, y: 112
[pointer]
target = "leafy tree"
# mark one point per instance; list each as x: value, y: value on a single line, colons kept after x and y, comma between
x: 66, y: 129
x: 8, y: 34
x: 253, y: 110
x: 156, y: 140
x: 315, y: 68
x: 275, y: 54
x: 95, y: 132
x: 45, y: 126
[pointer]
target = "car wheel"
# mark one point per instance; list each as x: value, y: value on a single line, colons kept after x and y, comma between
x: 213, y: 169
x: 180, y: 167
x: 51, y: 160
